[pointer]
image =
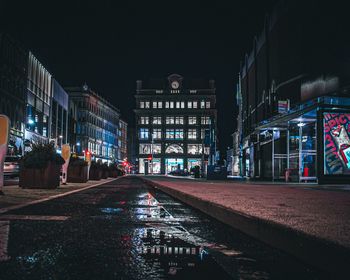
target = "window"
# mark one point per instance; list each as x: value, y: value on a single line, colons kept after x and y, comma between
x: 174, y: 149
x: 192, y: 120
x: 179, y: 134
x: 169, y: 120
x: 143, y: 133
x: 157, y: 120
x: 177, y: 104
x: 205, y: 120
x: 194, y: 104
x: 167, y: 104
x: 157, y: 148
x: 157, y: 133
x: 207, y: 104
x: 182, y: 105
x: 189, y: 104
x: 171, y: 104
x: 143, y: 120
x: 145, y: 148
x: 142, y: 104
x: 157, y: 104
x: 202, y: 133
x: 147, y: 104
x: 202, y: 104
x: 169, y: 133
x: 194, y: 149
x: 192, y: 133
x: 179, y: 120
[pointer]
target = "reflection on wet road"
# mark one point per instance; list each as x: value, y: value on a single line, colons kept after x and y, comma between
x: 127, y: 230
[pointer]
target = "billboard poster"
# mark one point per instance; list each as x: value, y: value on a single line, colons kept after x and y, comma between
x: 336, y: 136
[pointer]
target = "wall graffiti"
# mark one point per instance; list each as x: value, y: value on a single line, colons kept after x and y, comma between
x: 336, y: 143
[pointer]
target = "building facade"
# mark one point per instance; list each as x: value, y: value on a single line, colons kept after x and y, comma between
x: 38, y: 102
x: 13, y: 82
x: 59, y: 115
x: 174, y: 119
x: 295, y: 98
x: 123, y: 140
x: 97, y: 124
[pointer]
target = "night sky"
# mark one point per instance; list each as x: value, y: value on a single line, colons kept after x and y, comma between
x: 111, y: 44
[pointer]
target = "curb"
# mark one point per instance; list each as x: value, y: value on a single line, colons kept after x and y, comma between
x: 323, y: 254
x: 18, y: 206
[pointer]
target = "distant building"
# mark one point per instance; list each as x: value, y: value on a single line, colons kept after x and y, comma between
x: 59, y: 115
x: 72, y: 125
x: 38, y: 102
x: 123, y: 140
x: 175, y: 124
x: 97, y: 126
x: 13, y: 82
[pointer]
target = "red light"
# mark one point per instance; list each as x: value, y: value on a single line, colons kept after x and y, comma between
x: 150, y: 157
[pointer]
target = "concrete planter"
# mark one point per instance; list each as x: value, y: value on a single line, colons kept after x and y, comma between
x: 113, y: 174
x: 77, y: 174
x: 95, y: 174
x: 104, y: 174
x: 40, y: 178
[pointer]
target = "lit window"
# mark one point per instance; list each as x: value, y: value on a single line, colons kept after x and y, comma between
x: 160, y: 104
x: 202, y: 133
x: 194, y: 149
x: 157, y: 133
x: 157, y: 120
x: 142, y: 104
x: 192, y: 133
x: 169, y: 133
x: 174, y: 149
x: 182, y: 105
x: 195, y: 104
x: 144, y: 120
x: 177, y: 105
x: 145, y: 148
x: 189, y: 104
x: 154, y: 105
x: 207, y: 104
x: 167, y: 104
x: 170, y: 120
x: 144, y: 133
x: 171, y: 103
x: 202, y: 104
x: 147, y: 104
x: 192, y: 120
x: 179, y: 120
x: 205, y: 120
x: 179, y: 134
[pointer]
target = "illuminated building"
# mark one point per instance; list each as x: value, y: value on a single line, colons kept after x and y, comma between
x: 59, y: 115
x: 97, y: 124
x: 295, y: 98
x: 122, y: 140
x: 174, y: 119
x: 38, y: 102
x: 13, y: 81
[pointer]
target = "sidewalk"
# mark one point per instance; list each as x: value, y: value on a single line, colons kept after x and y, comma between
x: 16, y: 197
x: 312, y: 224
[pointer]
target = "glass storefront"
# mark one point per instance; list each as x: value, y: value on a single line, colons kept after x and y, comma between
x: 193, y: 162
x: 172, y: 164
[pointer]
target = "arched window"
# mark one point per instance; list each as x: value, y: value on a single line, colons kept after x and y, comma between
x: 174, y: 149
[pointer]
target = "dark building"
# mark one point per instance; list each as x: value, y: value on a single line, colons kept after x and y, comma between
x: 97, y: 126
x: 123, y: 140
x: 295, y: 96
x: 13, y: 82
x: 59, y: 115
x: 174, y: 118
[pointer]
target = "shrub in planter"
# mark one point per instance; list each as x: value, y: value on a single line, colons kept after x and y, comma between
x: 112, y: 171
x: 77, y: 170
x: 40, y: 168
x: 105, y: 171
x: 95, y: 171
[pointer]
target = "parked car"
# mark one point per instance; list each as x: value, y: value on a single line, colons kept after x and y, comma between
x: 179, y: 172
x: 11, y: 166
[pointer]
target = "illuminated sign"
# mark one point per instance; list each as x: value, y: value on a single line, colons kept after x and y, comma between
x: 336, y: 143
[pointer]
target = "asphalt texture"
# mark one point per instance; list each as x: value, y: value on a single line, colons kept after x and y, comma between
x: 125, y: 229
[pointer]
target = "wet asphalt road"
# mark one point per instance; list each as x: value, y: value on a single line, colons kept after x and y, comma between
x: 127, y: 230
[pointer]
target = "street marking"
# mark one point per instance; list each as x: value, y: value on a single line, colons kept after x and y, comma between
x: 14, y: 207
x: 34, y: 217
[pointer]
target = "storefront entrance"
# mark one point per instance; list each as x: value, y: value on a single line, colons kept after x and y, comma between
x: 172, y: 164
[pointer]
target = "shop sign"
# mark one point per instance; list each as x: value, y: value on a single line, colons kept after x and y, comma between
x: 283, y: 106
x: 336, y: 143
